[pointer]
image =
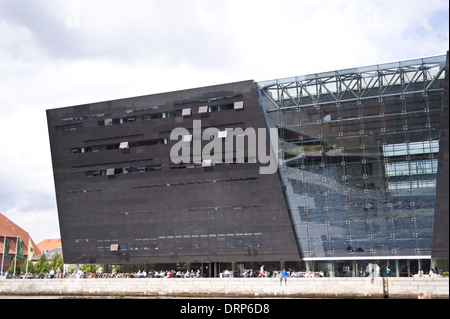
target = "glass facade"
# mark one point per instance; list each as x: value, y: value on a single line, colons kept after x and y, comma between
x: 358, y: 157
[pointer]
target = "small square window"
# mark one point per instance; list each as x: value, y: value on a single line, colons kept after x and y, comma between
x: 206, y: 163
x: 110, y: 171
x: 203, y: 109
x: 238, y: 105
x: 186, y: 112
x: 187, y: 138
x: 222, y: 134
x: 123, y: 145
x: 108, y: 122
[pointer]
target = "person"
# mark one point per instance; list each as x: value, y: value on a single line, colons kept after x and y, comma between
x: 52, y: 273
x: 261, y: 271
x: 388, y: 271
x: 58, y: 273
x: 377, y: 270
x: 283, y: 275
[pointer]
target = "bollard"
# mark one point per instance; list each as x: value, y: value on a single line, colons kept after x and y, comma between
x: 385, y: 288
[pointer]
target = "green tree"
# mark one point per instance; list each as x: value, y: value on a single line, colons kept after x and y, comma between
x: 57, y: 261
x: 11, y: 268
x: 42, y: 266
x: 90, y: 268
x: 23, y: 267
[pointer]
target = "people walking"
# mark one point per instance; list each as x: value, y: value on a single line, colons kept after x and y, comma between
x: 261, y: 271
x: 283, y: 275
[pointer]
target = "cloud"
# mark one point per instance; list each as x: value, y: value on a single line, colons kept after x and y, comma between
x: 44, y: 23
x: 244, y: 37
x: 169, y: 32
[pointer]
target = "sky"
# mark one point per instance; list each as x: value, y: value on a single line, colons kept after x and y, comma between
x: 57, y: 53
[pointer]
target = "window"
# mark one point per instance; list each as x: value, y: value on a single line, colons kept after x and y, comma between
x: 238, y: 105
x: 203, y: 109
x: 411, y: 168
x: 187, y: 138
x: 186, y: 112
x: 207, y: 163
x: 423, y: 147
x: 222, y: 134
x: 69, y: 127
x: 123, y: 145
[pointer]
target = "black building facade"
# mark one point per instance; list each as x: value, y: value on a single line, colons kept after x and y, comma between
x: 358, y: 157
x: 121, y: 200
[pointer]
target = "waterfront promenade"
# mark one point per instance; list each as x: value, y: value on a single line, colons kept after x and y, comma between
x: 402, y: 287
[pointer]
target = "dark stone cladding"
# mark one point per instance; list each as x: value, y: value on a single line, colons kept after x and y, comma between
x: 441, y: 226
x: 156, y: 214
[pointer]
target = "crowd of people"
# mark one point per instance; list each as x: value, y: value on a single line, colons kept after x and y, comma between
x: 83, y: 274
x: 246, y: 273
x: 264, y: 273
x: 78, y: 273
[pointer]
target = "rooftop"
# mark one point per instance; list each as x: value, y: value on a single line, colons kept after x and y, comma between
x: 11, y: 230
x: 49, y: 244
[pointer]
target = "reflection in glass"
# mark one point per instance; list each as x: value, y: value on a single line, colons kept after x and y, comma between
x: 358, y: 156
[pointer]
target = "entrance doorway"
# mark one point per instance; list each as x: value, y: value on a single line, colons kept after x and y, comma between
x: 210, y: 269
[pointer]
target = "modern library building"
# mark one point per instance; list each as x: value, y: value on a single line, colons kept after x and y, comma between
x: 336, y: 171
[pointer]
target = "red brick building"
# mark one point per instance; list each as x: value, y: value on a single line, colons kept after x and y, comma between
x: 12, y: 231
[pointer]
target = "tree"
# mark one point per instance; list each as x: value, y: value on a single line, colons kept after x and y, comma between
x: 31, y: 267
x: 57, y: 261
x: 11, y: 268
x: 42, y: 266
x: 92, y: 269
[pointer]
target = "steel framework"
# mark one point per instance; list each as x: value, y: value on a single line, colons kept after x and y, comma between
x: 377, y: 81
x: 343, y: 196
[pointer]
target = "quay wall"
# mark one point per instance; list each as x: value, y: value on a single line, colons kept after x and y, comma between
x: 413, y: 288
